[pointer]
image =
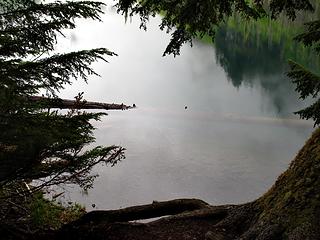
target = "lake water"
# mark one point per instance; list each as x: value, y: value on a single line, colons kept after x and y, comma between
x: 236, y: 136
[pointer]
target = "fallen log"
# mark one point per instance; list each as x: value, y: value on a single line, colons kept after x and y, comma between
x: 156, y: 209
x: 181, y: 219
x: 75, y: 104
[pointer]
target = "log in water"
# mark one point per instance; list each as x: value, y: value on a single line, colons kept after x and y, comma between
x: 74, y: 104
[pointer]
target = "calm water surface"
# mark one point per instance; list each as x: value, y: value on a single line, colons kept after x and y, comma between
x: 235, y: 137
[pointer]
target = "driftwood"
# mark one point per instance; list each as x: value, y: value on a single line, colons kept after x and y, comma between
x: 74, y: 104
x: 180, y: 219
x: 156, y: 209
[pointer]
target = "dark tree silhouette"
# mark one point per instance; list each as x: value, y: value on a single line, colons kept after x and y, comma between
x: 36, y: 141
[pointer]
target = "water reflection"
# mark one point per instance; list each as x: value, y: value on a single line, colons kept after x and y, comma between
x: 253, y: 62
x: 246, y: 61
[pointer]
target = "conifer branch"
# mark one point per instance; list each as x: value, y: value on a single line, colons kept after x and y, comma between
x: 53, y: 72
x: 311, y: 112
x: 56, y: 10
x: 307, y: 83
x: 24, y: 40
x: 311, y: 36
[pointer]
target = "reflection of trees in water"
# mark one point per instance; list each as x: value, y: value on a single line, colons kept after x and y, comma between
x: 248, y: 61
x: 245, y: 60
x: 255, y: 53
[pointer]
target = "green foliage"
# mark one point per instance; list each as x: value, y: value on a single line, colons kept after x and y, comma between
x: 311, y: 36
x: 275, y: 32
x: 307, y: 82
x: 47, y: 214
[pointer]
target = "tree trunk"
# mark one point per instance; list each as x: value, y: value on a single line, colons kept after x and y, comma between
x: 294, y: 200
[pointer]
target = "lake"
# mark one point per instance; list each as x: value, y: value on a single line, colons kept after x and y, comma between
x: 214, y: 123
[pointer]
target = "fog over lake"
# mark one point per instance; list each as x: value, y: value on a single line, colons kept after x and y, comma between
x: 228, y: 146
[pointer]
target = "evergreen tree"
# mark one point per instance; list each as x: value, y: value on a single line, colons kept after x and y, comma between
x: 36, y: 141
x: 307, y: 82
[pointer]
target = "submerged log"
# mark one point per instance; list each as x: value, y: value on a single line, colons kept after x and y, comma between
x: 74, y: 104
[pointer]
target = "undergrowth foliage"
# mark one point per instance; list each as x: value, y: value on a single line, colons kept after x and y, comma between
x: 46, y: 214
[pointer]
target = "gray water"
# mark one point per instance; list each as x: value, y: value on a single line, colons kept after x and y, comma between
x: 228, y: 146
